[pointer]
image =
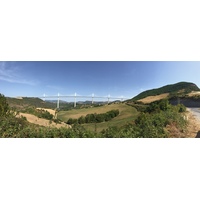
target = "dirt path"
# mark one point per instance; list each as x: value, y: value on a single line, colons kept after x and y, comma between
x: 194, y: 123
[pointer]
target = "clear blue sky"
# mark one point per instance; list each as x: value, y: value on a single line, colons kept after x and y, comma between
x: 85, y: 78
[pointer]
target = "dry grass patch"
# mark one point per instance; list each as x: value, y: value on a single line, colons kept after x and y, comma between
x: 42, y: 122
x: 51, y: 111
x: 194, y: 93
x: 151, y: 99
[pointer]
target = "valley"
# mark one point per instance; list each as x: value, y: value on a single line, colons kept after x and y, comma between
x: 154, y: 113
x: 127, y: 114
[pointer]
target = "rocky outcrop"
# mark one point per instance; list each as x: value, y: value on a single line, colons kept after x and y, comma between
x: 188, y: 102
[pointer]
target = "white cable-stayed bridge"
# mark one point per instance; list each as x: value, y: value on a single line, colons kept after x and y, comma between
x: 75, y: 97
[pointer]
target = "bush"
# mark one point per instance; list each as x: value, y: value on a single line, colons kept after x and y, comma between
x: 81, y: 120
x: 152, y: 124
x: 181, y: 108
x: 158, y: 106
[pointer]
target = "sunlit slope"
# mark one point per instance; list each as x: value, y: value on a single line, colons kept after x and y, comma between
x: 127, y: 115
x: 178, y: 89
x: 29, y: 101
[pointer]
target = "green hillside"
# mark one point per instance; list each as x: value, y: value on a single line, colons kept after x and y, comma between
x: 180, y: 88
x: 23, y: 102
x: 127, y: 114
x: 28, y: 101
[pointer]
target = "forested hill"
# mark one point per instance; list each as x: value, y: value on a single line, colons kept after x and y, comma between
x: 28, y: 101
x: 173, y: 90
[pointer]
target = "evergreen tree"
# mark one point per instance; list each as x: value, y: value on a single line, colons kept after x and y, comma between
x: 4, y: 108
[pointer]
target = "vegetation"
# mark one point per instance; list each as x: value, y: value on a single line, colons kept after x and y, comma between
x: 24, y: 102
x: 127, y: 115
x: 4, y: 108
x: 158, y: 120
x: 95, y: 118
x: 155, y: 122
x: 83, y: 105
x: 139, y: 106
x: 177, y: 89
x: 40, y: 113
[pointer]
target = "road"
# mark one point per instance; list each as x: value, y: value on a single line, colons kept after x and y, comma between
x: 194, y: 122
x: 195, y: 112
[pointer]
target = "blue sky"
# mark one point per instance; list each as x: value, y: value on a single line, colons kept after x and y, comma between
x: 125, y: 79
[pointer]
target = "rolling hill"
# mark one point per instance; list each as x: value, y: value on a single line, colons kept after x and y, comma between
x: 180, y: 89
x: 23, y: 102
x: 127, y: 115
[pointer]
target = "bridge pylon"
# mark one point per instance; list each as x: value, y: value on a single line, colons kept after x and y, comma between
x: 58, y: 102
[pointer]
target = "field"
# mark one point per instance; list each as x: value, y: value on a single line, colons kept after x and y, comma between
x: 194, y: 93
x: 42, y: 122
x: 127, y: 115
x: 150, y: 99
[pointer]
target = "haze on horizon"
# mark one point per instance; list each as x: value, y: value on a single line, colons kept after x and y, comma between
x: 127, y: 79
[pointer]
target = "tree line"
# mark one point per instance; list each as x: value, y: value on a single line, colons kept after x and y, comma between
x: 94, y: 118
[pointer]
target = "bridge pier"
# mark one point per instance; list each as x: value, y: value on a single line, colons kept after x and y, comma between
x: 75, y: 101
x: 92, y: 99
x: 58, y: 102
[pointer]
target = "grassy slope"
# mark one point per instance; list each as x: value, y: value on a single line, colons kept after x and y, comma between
x: 171, y: 89
x: 127, y: 114
x: 25, y: 102
x: 150, y: 99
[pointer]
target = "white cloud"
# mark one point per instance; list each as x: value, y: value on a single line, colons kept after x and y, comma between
x: 11, y: 74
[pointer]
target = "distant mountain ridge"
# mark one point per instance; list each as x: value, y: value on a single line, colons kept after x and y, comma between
x: 181, y: 88
x: 21, y: 102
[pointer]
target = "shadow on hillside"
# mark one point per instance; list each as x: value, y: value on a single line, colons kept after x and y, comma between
x: 198, y: 135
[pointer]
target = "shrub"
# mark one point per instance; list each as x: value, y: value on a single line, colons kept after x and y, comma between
x: 4, y: 108
x: 181, y: 108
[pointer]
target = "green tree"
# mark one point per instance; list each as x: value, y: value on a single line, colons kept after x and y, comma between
x: 81, y: 120
x: 100, y: 118
x: 164, y: 104
x: 4, y: 108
